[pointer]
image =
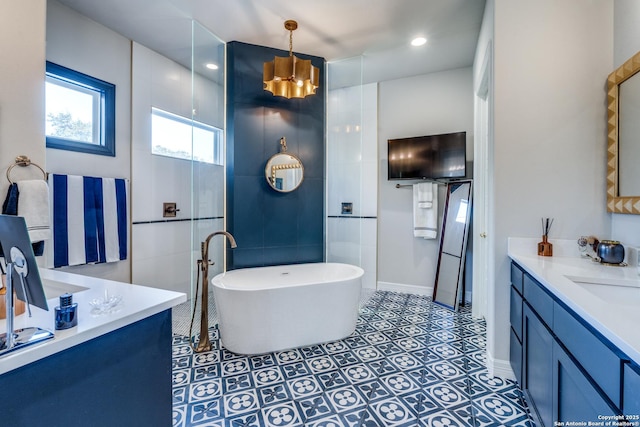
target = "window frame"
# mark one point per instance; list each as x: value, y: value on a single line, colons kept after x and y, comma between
x: 107, y: 91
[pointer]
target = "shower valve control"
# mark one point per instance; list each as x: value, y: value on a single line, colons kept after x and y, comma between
x: 169, y: 209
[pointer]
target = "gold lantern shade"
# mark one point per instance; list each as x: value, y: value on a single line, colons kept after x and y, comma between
x: 291, y: 77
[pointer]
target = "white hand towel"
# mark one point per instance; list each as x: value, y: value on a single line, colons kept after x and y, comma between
x: 425, y: 220
x: 425, y: 194
x: 33, y: 205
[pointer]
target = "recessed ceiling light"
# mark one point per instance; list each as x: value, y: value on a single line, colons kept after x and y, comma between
x: 418, y: 41
x: 211, y: 66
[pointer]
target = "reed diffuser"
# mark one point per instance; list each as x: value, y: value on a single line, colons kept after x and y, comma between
x: 545, y: 248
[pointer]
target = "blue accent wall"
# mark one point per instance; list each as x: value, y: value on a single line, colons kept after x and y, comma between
x: 272, y: 228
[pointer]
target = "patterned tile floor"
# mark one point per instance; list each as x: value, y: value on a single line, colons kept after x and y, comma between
x: 409, y: 363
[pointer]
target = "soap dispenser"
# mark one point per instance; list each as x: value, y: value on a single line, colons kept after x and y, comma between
x: 66, y: 313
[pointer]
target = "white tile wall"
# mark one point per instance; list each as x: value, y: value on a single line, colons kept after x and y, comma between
x: 368, y: 260
x: 344, y: 186
x: 172, y: 272
x: 344, y: 238
x: 160, y: 239
x: 369, y: 187
x: 164, y: 255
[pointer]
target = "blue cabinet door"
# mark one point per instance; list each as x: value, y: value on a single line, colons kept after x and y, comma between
x: 631, y: 405
x: 537, y: 366
x: 517, y: 276
x: 516, y: 313
x: 515, y: 344
x: 576, y: 398
x: 515, y: 356
x: 592, y: 353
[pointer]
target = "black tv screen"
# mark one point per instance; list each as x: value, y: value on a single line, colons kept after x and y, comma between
x: 428, y: 157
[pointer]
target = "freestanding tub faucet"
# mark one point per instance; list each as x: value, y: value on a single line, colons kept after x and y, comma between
x: 204, y: 344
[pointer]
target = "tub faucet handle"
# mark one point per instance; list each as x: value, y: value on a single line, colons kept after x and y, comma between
x: 201, y: 263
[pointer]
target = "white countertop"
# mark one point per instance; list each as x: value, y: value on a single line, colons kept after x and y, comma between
x: 611, y: 309
x: 138, y: 302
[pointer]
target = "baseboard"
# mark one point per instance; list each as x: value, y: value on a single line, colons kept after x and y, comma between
x: 407, y: 289
x: 413, y: 289
x: 499, y: 368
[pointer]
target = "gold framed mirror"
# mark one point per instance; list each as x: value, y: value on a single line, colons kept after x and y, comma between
x: 284, y: 172
x: 623, y: 138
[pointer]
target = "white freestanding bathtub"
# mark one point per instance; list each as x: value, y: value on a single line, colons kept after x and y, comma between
x: 267, y: 309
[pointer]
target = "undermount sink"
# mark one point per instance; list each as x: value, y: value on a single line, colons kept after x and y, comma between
x: 53, y: 289
x: 618, y: 291
x: 608, y: 281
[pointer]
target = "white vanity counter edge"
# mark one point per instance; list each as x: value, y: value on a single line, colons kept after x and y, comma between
x: 138, y: 302
x: 618, y: 321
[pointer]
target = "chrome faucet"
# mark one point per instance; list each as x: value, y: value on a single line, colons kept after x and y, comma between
x: 204, y: 344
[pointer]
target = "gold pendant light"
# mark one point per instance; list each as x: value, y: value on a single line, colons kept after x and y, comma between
x: 290, y: 76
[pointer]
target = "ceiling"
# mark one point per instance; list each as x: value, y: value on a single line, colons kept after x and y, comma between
x: 379, y: 31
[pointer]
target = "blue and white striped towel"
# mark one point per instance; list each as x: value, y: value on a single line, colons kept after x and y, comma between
x: 89, y: 216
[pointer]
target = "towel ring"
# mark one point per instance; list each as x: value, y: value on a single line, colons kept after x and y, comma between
x: 24, y: 161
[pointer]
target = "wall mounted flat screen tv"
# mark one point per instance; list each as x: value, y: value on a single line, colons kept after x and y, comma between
x: 428, y: 157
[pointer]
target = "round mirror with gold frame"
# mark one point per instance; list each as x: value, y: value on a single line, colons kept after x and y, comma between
x: 623, y: 148
x: 284, y: 172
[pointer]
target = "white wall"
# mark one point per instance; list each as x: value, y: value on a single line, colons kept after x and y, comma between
x: 551, y: 62
x: 626, y: 43
x: 422, y: 105
x: 74, y: 41
x: 164, y: 251
x: 22, y: 68
x: 352, y: 176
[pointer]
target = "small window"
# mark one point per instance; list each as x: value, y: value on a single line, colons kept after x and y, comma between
x: 80, y: 112
x: 183, y: 138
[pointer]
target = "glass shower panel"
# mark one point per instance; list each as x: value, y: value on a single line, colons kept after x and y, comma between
x: 161, y: 89
x: 352, y: 168
x: 344, y: 162
x: 208, y: 139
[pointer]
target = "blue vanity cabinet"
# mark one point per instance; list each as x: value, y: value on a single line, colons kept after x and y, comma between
x: 575, y: 398
x: 569, y: 370
x: 121, y: 378
x: 537, y: 365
